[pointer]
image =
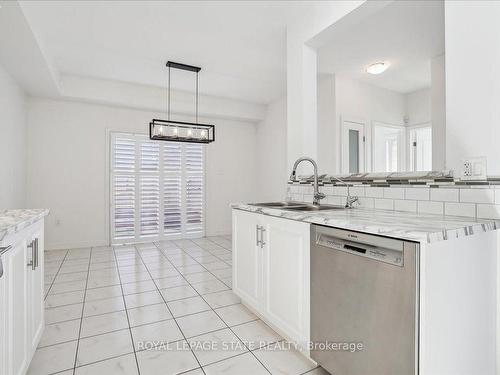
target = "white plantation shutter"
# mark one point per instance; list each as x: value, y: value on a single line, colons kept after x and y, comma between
x: 194, y: 165
x: 157, y: 189
x: 172, y: 188
x: 123, y: 181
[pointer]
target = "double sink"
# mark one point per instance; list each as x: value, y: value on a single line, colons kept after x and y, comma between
x: 298, y: 206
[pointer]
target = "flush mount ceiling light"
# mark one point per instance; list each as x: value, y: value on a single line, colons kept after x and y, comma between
x: 377, y: 68
x: 180, y: 131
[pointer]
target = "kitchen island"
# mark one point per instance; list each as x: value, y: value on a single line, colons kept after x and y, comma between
x: 455, y: 287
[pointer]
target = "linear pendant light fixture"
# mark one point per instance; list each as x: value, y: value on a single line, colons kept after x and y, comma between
x: 180, y: 131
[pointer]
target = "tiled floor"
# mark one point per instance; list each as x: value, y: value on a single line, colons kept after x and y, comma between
x: 154, y: 309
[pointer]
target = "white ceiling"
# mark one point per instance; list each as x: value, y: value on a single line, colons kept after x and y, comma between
x: 240, y: 45
x: 405, y: 33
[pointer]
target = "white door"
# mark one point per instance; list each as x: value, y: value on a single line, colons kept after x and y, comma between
x: 353, y: 147
x: 247, y: 258
x: 15, y: 263
x: 35, y: 284
x: 420, y: 146
x: 286, y: 276
x: 388, y: 147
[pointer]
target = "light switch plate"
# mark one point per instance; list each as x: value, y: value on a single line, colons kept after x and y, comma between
x: 474, y: 168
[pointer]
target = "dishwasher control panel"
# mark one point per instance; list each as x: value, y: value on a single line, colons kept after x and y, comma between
x: 382, y: 254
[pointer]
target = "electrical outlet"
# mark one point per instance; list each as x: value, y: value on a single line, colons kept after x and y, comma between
x: 474, y: 168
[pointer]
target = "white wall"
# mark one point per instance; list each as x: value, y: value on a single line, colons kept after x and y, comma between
x: 359, y: 101
x: 301, y: 75
x: 328, y: 139
x: 12, y: 143
x: 418, y: 107
x: 438, y: 109
x: 272, y: 168
x: 67, y: 166
x: 472, y: 36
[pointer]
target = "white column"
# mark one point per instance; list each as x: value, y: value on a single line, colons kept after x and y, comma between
x: 472, y: 35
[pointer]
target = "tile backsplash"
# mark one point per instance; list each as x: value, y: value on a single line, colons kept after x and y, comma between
x: 477, y: 201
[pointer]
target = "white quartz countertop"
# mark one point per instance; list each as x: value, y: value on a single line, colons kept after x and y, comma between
x: 424, y: 228
x: 12, y: 221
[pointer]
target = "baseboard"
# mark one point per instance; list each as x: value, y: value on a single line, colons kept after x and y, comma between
x: 74, y: 245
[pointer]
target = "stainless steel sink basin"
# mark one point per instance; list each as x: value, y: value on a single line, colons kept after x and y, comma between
x: 280, y: 204
x: 298, y: 206
x: 311, y: 207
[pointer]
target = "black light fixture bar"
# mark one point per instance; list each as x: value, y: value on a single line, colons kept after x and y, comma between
x: 181, y: 131
x: 190, y: 68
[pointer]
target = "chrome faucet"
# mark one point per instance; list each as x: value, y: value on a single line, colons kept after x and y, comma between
x: 317, y: 195
x: 350, y: 199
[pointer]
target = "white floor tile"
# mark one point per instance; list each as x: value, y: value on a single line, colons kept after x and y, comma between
x: 245, y: 364
x: 99, y: 324
x: 256, y: 334
x: 199, y: 277
x: 172, y: 361
x: 62, y: 313
x: 169, y: 282
x: 215, y: 346
x: 96, y: 348
x: 103, y: 293
x: 103, y: 306
x: 67, y: 277
x: 235, y: 314
x: 187, y: 306
x: 178, y: 292
x: 60, y: 332
x: 156, y: 334
x: 163, y: 272
x: 53, y: 359
x: 62, y: 299
x: 124, y: 365
x: 221, y: 299
x: 216, y: 265
x: 210, y: 286
x: 148, y: 314
x: 139, y: 287
x: 283, y: 361
x: 143, y: 299
x: 197, y: 324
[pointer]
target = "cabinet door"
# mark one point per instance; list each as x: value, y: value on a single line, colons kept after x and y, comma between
x: 16, y: 285
x: 247, y: 258
x: 35, y: 291
x: 286, y: 277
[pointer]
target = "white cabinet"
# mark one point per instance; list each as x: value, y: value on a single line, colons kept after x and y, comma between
x: 271, y: 270
x: 21, y: 299
x: 35, y: 283
x: 286, y: 277
x: 247, y: 261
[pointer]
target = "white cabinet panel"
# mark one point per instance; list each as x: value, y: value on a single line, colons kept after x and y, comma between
x: 247, y: 258
x: 272, y: 276
x: 35, y: 285
x: 16, y: 278
x: 21, y: 299
x: 286, y: 274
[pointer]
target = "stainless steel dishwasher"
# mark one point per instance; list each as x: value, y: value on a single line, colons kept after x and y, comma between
x: 364, y: 303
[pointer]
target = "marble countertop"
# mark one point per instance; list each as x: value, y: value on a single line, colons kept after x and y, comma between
x: 12, y: 221
x: 423, y: 228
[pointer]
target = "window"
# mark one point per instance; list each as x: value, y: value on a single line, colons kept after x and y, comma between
x: 157, y: 189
